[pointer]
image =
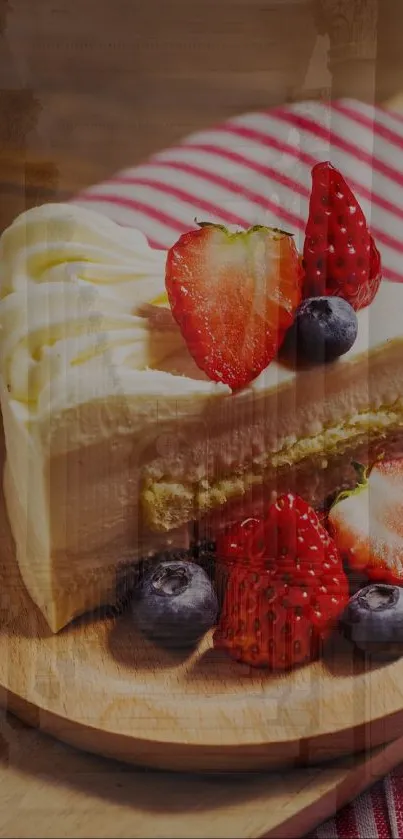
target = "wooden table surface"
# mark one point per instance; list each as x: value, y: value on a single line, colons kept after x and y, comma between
x: 90, y: 86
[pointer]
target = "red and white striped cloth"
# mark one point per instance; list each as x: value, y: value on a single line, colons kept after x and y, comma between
x: 256, y: 168
x: 376, y: 814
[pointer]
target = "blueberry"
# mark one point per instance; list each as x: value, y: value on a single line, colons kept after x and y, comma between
x: 373, y: 621
x: 324, y: 329
x: 175, y: 604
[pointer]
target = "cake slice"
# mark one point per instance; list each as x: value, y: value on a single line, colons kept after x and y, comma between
x: 119, y: 446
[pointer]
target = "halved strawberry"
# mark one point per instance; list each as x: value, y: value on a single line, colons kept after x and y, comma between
x: 233, y: 296
x: 340, y: 255
x: 367, y: 524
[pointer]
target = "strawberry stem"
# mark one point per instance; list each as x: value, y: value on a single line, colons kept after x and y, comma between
x: 211, y: 224
x: 362, y: 473
x: 254, y: 229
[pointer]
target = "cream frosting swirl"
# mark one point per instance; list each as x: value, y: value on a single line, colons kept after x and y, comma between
x: 83, y: 354
x: 72, y: 288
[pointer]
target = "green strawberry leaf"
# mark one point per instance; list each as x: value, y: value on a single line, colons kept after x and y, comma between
x: 363, y: 473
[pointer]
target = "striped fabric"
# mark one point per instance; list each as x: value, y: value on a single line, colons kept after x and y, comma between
x: 256, y: 168
x: 376, y: 814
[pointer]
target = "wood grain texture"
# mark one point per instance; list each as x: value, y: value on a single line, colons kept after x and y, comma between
x: 49, y: 790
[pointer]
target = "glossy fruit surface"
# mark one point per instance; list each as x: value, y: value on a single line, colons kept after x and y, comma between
x: 324, y: 329
x: 340, y: 255
x: 373, y: 621
x: 282, y: 600
x: 234, y: 296
x: 175, y: 603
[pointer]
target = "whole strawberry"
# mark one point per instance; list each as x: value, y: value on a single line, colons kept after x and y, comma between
x: 233, y: 296
x: 283, y: 598
x: 340, y: 255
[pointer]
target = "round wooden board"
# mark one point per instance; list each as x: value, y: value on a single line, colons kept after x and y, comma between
x: 100, y: 686
x: 50, y: 790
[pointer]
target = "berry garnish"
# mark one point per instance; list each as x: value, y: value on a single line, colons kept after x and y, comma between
x: 324, y: 329
x: 175, y: 604
x: 281, y: 604
x: 367, y: 523
x: 233, y: 296
x: 234, y: 542
x: 373, y: 621
x: 340, y: 255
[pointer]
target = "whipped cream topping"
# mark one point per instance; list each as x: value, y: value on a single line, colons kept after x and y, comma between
x: 72, y: 288
x: 77, y: 339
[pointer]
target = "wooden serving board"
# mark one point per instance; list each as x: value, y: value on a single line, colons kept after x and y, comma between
x: 50, y: 790
x: 102, y: 687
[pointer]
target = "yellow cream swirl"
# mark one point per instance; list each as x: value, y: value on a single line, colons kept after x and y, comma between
x: 72, y: 285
